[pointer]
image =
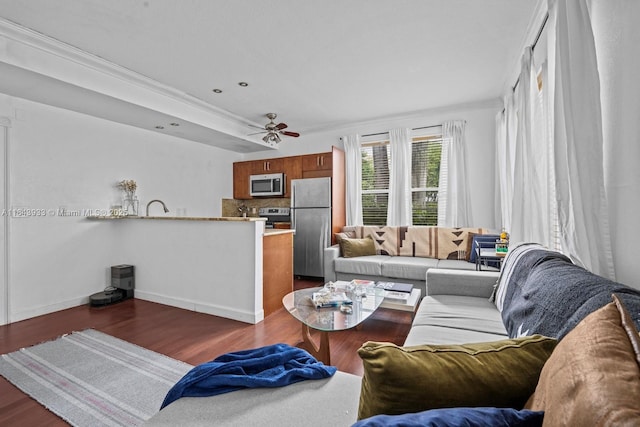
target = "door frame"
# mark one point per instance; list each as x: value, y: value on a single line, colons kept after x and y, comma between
x: 5, y: 125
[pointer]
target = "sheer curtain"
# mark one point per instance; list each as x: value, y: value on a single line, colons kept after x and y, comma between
x: 506, y: 126
x: 578, y: 141
x: 399, y: 210
x: 353, y: 179
x: 454, y: 208
x: 530, y: 202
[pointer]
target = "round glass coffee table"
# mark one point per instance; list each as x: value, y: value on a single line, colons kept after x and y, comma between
x: 328, y: 319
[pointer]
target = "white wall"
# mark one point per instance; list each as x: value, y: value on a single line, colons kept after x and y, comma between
x: 617, y: 37
x: 59, y: 158
x: 480, y: 140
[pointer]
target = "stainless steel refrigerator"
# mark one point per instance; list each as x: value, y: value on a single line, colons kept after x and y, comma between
x: 311, y: 218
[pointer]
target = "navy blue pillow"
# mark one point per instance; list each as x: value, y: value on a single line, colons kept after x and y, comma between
x: 483, y: 238
x: 458, y: 417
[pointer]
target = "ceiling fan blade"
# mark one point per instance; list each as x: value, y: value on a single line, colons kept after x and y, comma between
x: 293, y: 134
x: 257, y: 133
x: 254, y: 126
x: 281, y: 126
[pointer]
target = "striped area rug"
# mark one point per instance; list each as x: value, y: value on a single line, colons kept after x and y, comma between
x: 92, y: 379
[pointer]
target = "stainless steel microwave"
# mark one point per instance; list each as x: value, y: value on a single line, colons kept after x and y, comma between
x: 266, y: 185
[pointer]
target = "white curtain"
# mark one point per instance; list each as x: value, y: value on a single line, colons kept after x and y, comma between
x: 577, y: 133
x: 530, y: 168
x: 454, y: 207
x: 506, y: 129
x: 399, y: 209
x: 353, y: 179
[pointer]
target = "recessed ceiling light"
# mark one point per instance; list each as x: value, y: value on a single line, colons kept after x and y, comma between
x: 243, y: 84
x: 159, y: 127
x: 217, y: 91
x: 174, y: 124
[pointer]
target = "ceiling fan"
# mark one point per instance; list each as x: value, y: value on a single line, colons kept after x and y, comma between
x: 272, y: 130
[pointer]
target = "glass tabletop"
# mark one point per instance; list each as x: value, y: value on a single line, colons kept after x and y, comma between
x: 300, y: 305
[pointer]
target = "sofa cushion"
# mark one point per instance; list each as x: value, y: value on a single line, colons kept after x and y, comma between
x: 459, y: 265
x: 366, y: 265
x: 267, y: 407
x: 398, y: 380
x: 404, y: 267
x: 593, y: 376
x: 357, y: 247
x: 458, y: 417
x: 455, y: 319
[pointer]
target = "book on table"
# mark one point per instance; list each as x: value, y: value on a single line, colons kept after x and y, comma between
x: 398, y: 296
x: 395, y: 287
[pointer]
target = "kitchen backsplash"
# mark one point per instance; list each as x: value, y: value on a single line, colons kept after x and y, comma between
x: 232, y: 207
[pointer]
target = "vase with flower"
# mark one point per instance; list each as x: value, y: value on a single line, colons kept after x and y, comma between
x: 130, y: 201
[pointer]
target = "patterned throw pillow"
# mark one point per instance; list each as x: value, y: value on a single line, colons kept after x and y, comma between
x: 385, y: 238
x: 436, y: 242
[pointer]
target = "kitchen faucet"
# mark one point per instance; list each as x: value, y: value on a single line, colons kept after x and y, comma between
x: 159, y: 201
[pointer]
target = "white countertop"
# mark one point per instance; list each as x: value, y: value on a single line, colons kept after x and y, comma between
x: 180, y: 218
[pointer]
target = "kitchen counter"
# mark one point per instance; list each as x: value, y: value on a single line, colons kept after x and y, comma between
x: 180, y: 218
x: 267, y: 231
x: 275, y: 231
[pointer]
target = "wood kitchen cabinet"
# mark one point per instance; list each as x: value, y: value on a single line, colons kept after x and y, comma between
x: 277, y: 270
x: 317, y: 165
x: 329, y: 164
x: 260, y: 167
x: 241, y: 174
x: 292, y: 167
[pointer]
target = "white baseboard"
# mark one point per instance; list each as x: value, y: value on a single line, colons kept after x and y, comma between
x: 199, y: 307
x: 47, y: 309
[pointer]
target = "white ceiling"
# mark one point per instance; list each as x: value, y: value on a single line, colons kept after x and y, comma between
x: 317, y: 63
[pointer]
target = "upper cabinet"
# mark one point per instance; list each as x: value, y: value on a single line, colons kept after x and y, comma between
x: 317, y: 165
x: 294, y: 167
x: 259, y: 167
x: 241, y: 173
x: 292, y: 170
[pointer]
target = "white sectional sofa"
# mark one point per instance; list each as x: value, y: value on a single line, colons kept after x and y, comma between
x: 385, y: 268
x: 456, y: 310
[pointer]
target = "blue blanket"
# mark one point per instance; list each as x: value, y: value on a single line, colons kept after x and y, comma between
x: 271, y: 366
x: 549, y: 295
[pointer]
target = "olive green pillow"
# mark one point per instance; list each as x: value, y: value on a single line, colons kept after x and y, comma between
x: 357, y: 247
x: 399, y: 380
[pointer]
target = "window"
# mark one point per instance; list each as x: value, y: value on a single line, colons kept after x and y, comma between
x: 425, y: 173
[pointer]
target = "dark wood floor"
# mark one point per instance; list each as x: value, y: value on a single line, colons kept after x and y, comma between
x: 191, y: 337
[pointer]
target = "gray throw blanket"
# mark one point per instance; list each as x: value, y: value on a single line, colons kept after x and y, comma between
x: 549, y: 295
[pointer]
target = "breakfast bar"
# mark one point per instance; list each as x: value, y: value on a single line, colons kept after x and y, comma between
x: 210, y: 265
